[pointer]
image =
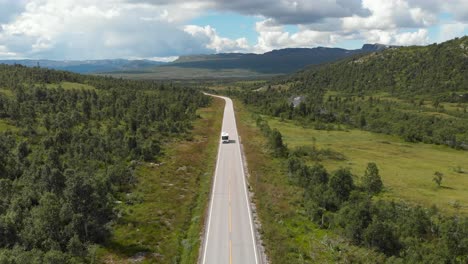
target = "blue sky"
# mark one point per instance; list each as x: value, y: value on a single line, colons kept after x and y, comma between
x: 230, y: 24
x: 163, y: 29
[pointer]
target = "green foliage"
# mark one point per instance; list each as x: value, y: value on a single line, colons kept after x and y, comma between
x: 371, y: 181
x: 407, y: 70
x: 381, y: 235
x: 275, y: 139
x: 437, y: 73
x: 341, y: 183
x: 406, y: 168
x: 403, y: 233
x: 74, y: 153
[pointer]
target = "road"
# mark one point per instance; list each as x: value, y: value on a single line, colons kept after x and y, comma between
x: 229, y: 236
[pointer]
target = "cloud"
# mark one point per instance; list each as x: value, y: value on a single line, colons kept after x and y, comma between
x: 390, y: 14
x: 283, y: 11
x: 273, y: 36
x: 66, y: 29
x: 393, y: 37
x: 9, y: 9
x: 5, y: 53
x: 459, y: 8
x: 209, y: 35
x: 295, y: 11
x: 452, y: 30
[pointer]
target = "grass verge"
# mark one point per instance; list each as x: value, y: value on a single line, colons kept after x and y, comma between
x: 163, y: 217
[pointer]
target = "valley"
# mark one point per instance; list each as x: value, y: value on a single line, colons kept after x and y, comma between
x: 240, y: 132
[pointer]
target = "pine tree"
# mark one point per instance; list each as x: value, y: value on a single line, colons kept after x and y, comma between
x: 371, y: 181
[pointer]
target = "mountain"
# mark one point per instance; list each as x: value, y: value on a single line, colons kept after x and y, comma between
x: 419, y: 93
x: 432, y: 69
x: 245, y: 65
x: 273, y: 62
x: 223, y: 65
x: 87, y: 66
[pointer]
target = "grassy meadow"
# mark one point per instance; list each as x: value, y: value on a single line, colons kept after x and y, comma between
x: 407, y: 169
x: 184, y: 73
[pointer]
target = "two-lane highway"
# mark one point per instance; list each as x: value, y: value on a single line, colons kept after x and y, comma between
x: 229, y: 236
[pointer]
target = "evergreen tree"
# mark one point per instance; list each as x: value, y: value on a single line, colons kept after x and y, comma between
x: 371, y: 181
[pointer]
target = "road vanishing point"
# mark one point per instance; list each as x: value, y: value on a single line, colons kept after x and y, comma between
x: 229, y: 234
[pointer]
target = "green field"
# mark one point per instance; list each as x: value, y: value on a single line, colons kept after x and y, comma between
x: 183, y: 73
x: 407, y: 169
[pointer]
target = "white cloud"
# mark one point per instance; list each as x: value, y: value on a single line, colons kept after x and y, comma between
x: 164, y: 59
x: 393, y: 37
x: 5, y: 53
x: 66, y: 29
x: 273, y: 36
x: 459, y: 8
x: 70, y: 29
x: 209, y: 35
x: 390, y: 14
x: 452, y: 30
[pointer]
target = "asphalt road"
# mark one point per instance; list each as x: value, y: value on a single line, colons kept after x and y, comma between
x: 229, y: 236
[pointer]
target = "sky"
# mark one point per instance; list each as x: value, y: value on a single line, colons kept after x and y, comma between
x: 165, y: 29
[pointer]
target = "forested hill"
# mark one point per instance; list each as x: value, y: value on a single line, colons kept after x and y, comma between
x: 69, y: 146
x: 418, y: 93
x: 432, y: 69
x: 273, y: 62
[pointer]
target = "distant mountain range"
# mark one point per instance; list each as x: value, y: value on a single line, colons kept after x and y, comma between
x: 87, y: 66
x: 273, y: 62
x: 223, y: 65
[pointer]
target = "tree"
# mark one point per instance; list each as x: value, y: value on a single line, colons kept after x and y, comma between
x: 276, y: 141
x: 381, y: 235
x: 355, y: 216
x: 68, y: 156
x: 318, y: 174
x: 438, y: 177
x: 75, y: 247
x: 371, y: 181
x: 341, y: 183
x: 43, y: 228
x: 362, y: 121
x: 55, y: 257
